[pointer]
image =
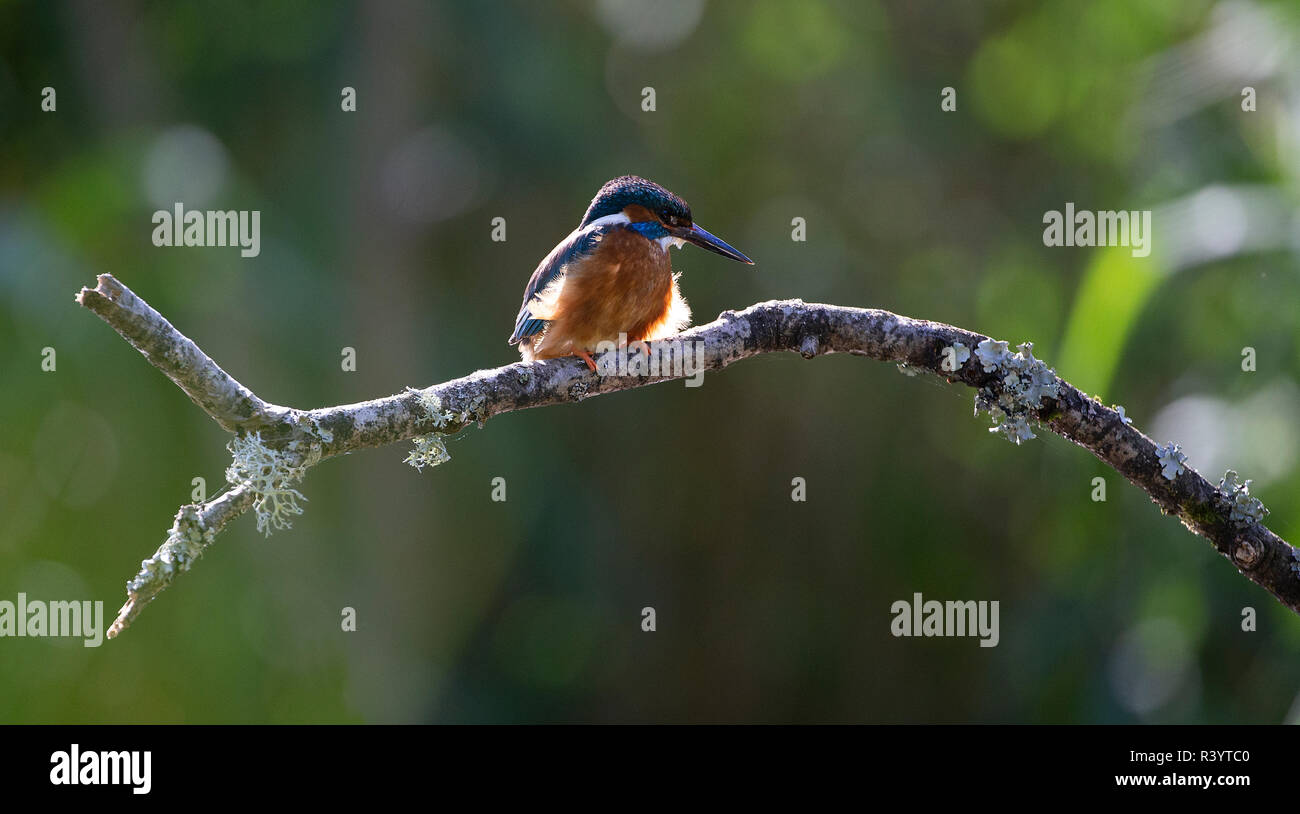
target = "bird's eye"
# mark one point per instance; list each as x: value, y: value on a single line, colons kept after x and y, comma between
x: 670, y: 219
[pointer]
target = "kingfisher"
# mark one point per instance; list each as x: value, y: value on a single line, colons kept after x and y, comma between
x: 611, y: 279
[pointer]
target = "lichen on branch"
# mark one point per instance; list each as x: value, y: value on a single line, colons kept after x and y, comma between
x: 270, y: 475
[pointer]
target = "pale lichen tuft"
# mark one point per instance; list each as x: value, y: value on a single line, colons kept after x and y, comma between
x: 429, y: 450
x: 1244, y: 509
x: 1171, y: 459
x: 432, y: 405
x: 1026, y: 381
x: 270, y: 474
x: 991, y: 354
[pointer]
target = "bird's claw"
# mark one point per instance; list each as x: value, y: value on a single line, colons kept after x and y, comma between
x: 586, y: 357
x: 641, y: 345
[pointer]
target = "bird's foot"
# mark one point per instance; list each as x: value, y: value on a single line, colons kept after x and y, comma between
x: 586, y: 357
x: 641, y: 345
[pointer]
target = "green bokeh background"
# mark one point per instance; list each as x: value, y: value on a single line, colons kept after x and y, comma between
x: 376, y: 235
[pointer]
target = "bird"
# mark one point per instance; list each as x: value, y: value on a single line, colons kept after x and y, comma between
x: 611, y: 279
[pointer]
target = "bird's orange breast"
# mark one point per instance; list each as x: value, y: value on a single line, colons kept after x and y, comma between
x: 624, y: 286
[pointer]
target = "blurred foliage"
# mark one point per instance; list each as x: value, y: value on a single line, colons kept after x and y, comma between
x: 375, y: 235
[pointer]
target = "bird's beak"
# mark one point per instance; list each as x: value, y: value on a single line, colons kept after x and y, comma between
x: 700, y: 237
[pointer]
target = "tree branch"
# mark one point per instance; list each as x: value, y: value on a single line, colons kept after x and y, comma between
x: 228, y: 402
x: 287, y: 442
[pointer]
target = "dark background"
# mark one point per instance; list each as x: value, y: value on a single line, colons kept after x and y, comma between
x: 376, y: 235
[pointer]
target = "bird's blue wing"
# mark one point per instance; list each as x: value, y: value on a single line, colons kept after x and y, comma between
x: 577, y: 245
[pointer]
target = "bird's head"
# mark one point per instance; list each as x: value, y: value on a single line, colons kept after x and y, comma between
x: 645, y: 202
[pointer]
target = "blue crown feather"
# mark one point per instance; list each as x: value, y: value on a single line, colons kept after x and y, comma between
x: 622, y: 192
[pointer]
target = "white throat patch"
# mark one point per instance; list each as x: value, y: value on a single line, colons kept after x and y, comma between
x: 620, y: 218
